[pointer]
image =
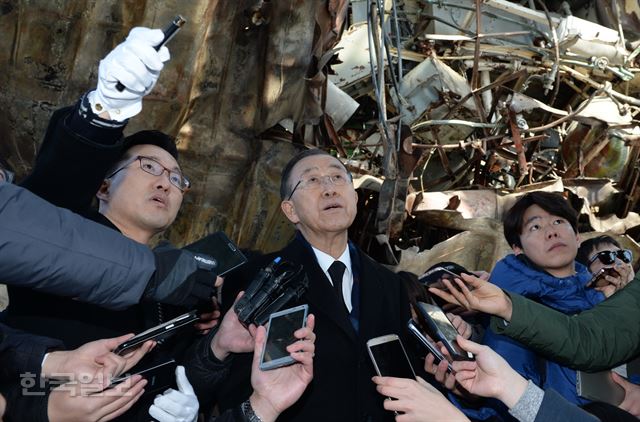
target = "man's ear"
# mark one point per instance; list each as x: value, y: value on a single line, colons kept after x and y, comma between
x: 289, y: 211
x: 103, y: 192
x: 517, y: 249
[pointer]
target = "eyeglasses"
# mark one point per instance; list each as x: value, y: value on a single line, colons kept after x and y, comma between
x: 315, y: 182
x: 6, y: 175
x: 153, y: 167
x: 609, y: 257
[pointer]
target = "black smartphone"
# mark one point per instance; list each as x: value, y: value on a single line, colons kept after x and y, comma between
x: 159, y: 332
x: 159, y: 376
x: 280, y: 331
x: 226, y: 254
x: 389, y: 357
x: 598, y: 279
x: 431, y: 347
x: 442, y: 270
x: 438, y: 326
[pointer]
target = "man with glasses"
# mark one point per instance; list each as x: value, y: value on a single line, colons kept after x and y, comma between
x: 610, y: 264
x: 137, y: 180
x: 541, y: 228
x: 353, y: 298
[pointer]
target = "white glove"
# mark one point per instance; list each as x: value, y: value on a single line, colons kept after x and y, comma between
x: 135, y: 64
x: 176, y: 406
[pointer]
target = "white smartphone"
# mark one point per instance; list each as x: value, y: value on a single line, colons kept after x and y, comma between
x: 280, y: 331
x: 389, y: 357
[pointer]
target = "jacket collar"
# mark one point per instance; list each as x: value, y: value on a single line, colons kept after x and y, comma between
x: 321, y: 295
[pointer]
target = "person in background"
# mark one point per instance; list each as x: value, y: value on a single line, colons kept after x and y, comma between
x: 139, y: 186
x: 353, y: 298
x: 593, y: 340
x: 602, y: 252
x: 541, y: 228
x: 489, y: 375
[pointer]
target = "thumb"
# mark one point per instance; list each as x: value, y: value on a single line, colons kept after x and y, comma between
x: 183, y: 382
x: 112, y: 343
x: 621, y: 381
x: 469, y: 345
x: 238, y: 297
x: 257, y: 347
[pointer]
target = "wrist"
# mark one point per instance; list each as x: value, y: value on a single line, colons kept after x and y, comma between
x: 221, y: 353
x: 507, y: 311
x: 515, y: 387
x: 262, y: 408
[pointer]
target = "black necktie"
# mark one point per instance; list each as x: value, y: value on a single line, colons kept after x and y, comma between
x: 336, y: 271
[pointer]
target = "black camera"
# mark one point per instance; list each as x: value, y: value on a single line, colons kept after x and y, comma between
x: 272, y: 288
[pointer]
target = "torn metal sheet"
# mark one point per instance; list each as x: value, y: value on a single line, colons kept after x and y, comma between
x: 477, y: 203
x: 519, y: 102
x: 339, y: 106
x: 587, y: 39
x: 353, y: 54
x: 475, y: 251
x: 425, y: 85
x: 604, y: 109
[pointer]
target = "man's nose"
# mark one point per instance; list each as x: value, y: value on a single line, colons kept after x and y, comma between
x: 551, y: 231
x: 328, y: 188
x: 163, y: 180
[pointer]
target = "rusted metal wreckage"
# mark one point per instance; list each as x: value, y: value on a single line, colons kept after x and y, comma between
x: 445, y: 110
x: 463, y: 106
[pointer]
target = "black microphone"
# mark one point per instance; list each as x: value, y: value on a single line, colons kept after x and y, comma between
x: 168, y: 32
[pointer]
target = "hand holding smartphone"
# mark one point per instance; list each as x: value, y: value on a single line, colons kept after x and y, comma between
x: 159, y: 332
x: 431, y: 346
x: 438, y: 326
x: 159, y: 376
x: 280, y: 331
x: 217, y: 245
x: 389, y: 357
x: 599, y: 278
x: 449, y: 270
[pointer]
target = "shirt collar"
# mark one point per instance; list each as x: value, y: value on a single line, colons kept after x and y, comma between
x: 325, y: 260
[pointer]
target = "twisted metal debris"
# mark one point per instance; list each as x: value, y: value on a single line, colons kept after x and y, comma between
x: 462, y: 105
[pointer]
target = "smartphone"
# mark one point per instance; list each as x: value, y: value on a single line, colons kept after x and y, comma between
x: 280, y: 331
x: 159, y: 376
x: 226, y: 254
x: 438, y: 326
x: 389, y: 357
x: 598, y: 279
x: 159, y: 332
x: 442, y: 270
x: 431, y: 347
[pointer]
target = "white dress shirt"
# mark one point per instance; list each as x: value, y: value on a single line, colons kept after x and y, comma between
x: 325, y: 261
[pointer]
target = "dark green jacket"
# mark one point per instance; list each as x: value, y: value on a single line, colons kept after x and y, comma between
x: 600, y: 338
